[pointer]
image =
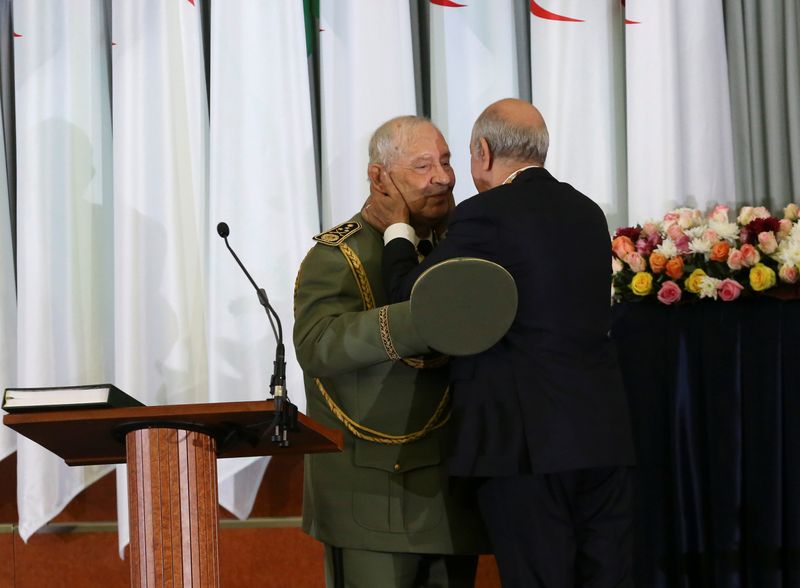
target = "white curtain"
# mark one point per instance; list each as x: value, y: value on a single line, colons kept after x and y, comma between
x: 680, y: 147
x: 577, y: 78
x: 64, y: 226
x: 367, y: 77
x: 473, y: 63
x: 263, y: 184
x: 8, y: 302
x: 160, y: 196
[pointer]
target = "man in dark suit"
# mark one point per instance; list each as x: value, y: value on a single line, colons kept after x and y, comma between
x: 541, y: 417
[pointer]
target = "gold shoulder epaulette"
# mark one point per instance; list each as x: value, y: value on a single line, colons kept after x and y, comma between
x: 338, y: 234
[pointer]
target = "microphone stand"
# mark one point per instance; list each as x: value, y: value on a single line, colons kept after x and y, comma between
x: 285, y: 417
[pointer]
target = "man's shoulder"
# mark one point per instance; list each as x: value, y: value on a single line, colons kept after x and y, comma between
x: 337, y: 235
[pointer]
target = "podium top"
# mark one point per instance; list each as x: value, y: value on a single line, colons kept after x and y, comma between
x: 97, y: 436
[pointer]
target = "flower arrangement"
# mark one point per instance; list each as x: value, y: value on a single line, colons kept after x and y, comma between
x: 690, y: 256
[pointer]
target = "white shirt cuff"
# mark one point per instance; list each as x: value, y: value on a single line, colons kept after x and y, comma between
x: 401, y: 230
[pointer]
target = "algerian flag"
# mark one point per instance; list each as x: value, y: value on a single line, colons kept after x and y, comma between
x: 473, y: 63
x: 680, y: 146
x: 262, y: 183
x: 160, y: 206
x: 8, y: 302
x: 577, y: 76
x: 65, y: 242
x: 367, y: 77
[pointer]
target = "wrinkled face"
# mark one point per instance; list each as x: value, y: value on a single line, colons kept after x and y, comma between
x: 423, y: 175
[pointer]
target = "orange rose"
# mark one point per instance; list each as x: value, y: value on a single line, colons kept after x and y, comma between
x: 657, y: 262
x: 674, y: 268
x: 622, y: 245
x: 720, y: 250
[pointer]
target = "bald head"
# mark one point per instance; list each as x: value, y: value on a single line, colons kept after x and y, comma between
x: 514, y: 131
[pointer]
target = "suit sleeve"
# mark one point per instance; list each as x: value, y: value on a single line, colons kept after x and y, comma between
x: 468, y: 235
x: 333, y: 333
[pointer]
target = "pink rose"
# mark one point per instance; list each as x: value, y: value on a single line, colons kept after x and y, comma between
x: 785, y: 228
x: 788, y: 273
x: 750, y: 255
x: 735, y: 259
x: 650, y: 229
x: 636, y: 262
x: 669, y: 293
x: 710, y: 235
x: 729, y: 289
x: 670, y: 218
x: 643, y: 247
x: 674, y: 232
x: 767, y: 242
x: 689, y: 218
x: 719, y: 214
x: 682, y: 243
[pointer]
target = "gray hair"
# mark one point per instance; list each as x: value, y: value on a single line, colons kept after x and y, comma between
x: 509, y: 139
x: 389, y: 140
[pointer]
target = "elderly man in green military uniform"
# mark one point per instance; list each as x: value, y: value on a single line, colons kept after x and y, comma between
x: 384, y: 508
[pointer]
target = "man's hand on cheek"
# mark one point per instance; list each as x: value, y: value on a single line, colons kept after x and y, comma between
x: 391, y: 207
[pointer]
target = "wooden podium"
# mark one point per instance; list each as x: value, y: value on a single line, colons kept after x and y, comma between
x: 171, y: 452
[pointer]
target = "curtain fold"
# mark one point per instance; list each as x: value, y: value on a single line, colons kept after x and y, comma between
x: 366, y: 78
x: 680, y: 148
x: 160, y: 206
x: 64, y: 215
x: 8, y: 298
x: 763, y: 47
x: 473, y: 62
x: 713, y: 395
x: 263, y: 184
x: 577, y: 77
x: 9, y: 160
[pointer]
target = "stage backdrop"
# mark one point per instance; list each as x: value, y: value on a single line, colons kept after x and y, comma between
x: 130, y: 129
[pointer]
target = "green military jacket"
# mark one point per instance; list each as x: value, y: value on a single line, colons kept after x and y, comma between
x: 376, y: 496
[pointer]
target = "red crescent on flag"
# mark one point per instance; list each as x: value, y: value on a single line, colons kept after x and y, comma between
x: 537, y: 10
x: 626, y: 20
x: 17, y: 35
x: 448, y: 3
x: 191, y: 2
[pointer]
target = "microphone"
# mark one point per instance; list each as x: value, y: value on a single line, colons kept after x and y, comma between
x: 285, y: 411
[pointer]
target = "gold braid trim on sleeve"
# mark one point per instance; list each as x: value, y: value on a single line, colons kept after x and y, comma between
x: 386, y: 336
x: 368, y: 300
x: 439, y: 418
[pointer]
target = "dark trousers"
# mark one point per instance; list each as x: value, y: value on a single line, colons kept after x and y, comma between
x: 562, y: 530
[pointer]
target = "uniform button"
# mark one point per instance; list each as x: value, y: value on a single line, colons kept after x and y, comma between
x: 397, y: 467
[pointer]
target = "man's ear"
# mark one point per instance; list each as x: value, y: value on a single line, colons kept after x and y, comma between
x: 485, y: 155
x: 374, y: 173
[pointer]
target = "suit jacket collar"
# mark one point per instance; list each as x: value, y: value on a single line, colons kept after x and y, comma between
x: 534, y: 173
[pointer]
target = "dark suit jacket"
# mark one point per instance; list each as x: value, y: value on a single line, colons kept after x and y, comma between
x: 548, y: 396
